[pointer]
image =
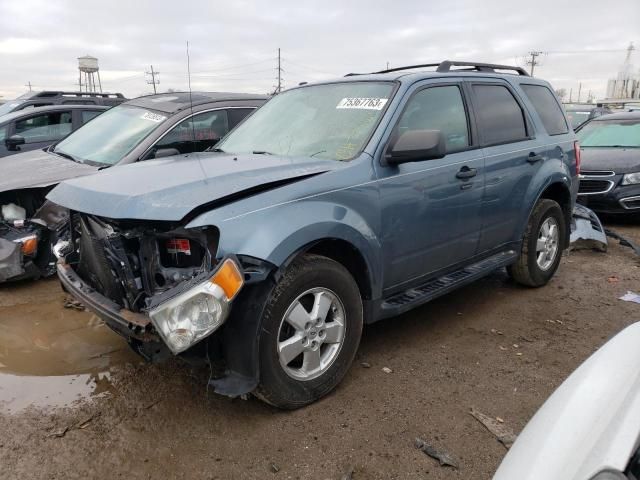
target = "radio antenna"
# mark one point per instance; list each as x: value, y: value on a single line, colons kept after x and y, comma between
x: 193, y: 126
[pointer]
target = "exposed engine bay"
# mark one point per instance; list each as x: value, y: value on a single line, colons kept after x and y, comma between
x: 28, y: 225
x: 131, y: 262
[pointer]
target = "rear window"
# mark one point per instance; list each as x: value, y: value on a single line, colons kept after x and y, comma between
x: 500, y: 117
x: 548, y: 109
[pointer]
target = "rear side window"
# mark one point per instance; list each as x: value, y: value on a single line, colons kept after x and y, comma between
x: 236, y: 115
x: 500, y: 117
x: 548, y: 109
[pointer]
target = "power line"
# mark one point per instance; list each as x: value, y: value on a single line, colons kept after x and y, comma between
x: 153, y: 81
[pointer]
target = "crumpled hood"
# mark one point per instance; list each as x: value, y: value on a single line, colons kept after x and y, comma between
x: 590, y: 423
x: 168, y: 189
x: 619, y: 160
x: 38, y: 168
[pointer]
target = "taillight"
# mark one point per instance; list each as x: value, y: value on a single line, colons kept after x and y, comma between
x: 576, y: 146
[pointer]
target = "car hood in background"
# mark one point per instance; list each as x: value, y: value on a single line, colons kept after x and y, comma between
x: 168, y: 189
x: 590, y: 423
x: 619, y: 160
x: 38, y: 168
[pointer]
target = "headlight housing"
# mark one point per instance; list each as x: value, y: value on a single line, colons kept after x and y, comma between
x: 28, y: 244
x: 631, y: 178
x: 197, y: 312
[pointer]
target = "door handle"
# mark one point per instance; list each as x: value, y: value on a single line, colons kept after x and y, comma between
x: 534, y: 157
x: 466, y: 172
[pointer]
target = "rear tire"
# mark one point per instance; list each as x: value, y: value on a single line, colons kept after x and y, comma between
x: 311, y: 329
x: 542, y: 245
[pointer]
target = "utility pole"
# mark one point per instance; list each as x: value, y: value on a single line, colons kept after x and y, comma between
x: 279, y: 78
x: 571, y: 95
x: 29, y: 85
x: 387, y: 65
x: 579, y: 90
x: 533, y: 62
x: 153, y: 80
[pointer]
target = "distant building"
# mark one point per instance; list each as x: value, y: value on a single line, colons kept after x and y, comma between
x: 627, y: 84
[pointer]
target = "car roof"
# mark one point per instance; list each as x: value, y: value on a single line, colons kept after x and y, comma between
x: 49, y: 108
x: 618, y: 116
x: 176, y: 101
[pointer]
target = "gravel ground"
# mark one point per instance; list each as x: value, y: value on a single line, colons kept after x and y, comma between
x: 75, y: 403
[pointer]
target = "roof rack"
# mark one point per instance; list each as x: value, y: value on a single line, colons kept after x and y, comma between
x: 446, y: 65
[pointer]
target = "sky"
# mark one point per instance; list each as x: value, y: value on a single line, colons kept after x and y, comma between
x: 233, y: 44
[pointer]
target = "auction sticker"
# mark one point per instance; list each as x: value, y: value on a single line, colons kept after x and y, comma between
x: 363, y: 103
x: 154, y: 117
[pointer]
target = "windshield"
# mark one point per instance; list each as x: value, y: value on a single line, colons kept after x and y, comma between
x: 330, y: 121
x: 110, y: 136
x: 577, y: 118
x: 611, y: 133
x: 9, y: 106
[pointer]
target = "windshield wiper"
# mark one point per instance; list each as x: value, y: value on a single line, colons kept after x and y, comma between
x: 261, y: 152
x: 214, y: 149
x: 66, y: 155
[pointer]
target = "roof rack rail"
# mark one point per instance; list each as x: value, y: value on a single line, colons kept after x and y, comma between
x: 446, y: 65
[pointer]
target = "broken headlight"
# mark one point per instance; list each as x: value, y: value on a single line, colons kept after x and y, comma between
x: 631, y: 178
x: 194, y: 314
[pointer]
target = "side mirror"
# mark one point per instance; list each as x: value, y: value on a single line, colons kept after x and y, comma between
x: 166, y: 152
x: 415, y: 146
x: 13, y: 142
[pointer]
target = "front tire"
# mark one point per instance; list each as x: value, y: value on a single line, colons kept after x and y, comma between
x: 541, y: 246
x: 311, y: 329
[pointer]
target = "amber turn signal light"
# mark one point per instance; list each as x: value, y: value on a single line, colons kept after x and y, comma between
x: 29, y: 245
x: 229, y: 278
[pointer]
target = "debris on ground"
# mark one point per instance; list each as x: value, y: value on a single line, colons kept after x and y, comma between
x: 59, y: 433
x: 365, y: 365
x: 387, y: 370
x: 624, y: 241
x: 631, y: 297
x: 443, y: 457
x: 613, y: 279
x: 348, y: 474
x: 496, y: 426
x: 587, y: 231
x: 274, y: 468
x: 70, y: 302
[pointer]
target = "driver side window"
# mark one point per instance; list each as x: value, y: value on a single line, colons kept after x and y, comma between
x: 194, y: 134
x: 438, y: 108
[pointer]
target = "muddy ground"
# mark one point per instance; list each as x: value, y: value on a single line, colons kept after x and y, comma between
x: 75, y: 403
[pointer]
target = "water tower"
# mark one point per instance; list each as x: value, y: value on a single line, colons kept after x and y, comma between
x: 88, y: 67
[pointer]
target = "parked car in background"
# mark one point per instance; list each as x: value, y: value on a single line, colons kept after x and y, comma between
x: 589, y: 429
x: 39, y: 127
x: 55, y: 97
x: 580, y: 113
x: 335, y: 204
x: 140, y: 129
x: 610, y: 178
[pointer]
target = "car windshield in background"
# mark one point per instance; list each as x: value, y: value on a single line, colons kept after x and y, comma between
x: 331, y: 121
x: 611, y: 133
x: 9, y: 106
x: 577, y: 118
x: 110, y: 136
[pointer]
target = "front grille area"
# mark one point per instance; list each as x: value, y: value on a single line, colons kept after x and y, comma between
x: 592, y: 187
x: 598, y: 173
x: 631, y: 203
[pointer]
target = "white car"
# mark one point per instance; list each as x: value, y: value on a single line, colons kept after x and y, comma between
x: 589, y: 429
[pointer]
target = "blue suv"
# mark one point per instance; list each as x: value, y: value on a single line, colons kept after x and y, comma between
x: 334, y: 205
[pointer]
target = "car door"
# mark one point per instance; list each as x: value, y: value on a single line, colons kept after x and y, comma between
x: 43, y: 129
x: 512, y: 154
x: 193, y: 134
x: 430, y: 210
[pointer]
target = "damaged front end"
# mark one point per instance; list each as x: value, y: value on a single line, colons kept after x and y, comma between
x: 27, y: 228
x: 156, y: 283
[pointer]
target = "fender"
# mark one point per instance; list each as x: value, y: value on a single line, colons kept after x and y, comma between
x: 550, y: 173
x: 279, y: 234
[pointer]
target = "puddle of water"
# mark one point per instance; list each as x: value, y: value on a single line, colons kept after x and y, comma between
x: 52, y: 357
